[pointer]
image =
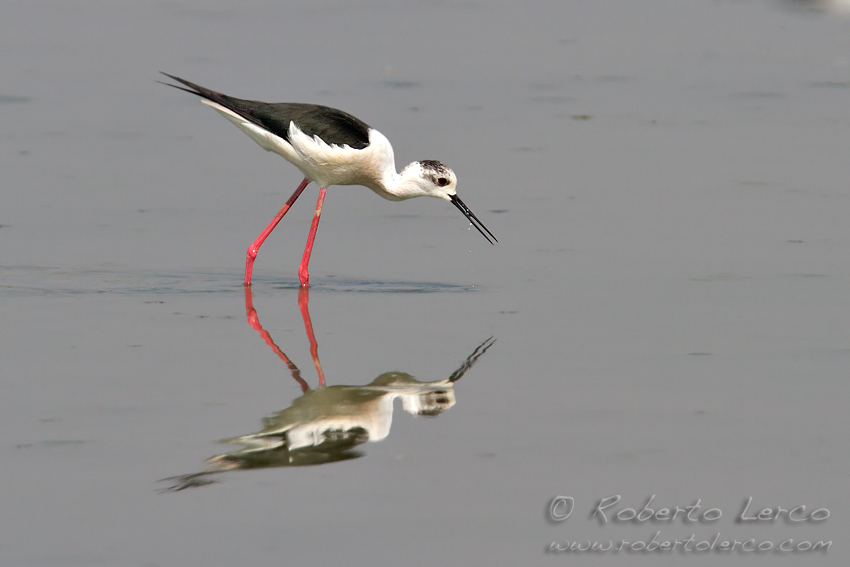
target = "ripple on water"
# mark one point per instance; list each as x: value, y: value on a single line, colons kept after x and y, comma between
x: 19, y: 281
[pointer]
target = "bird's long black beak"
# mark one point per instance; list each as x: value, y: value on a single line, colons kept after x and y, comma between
x: 473, y: 220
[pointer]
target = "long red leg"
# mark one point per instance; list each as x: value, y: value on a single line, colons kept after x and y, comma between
x: 255, y: 247
x: 303, y: 301
x: 303, y: 273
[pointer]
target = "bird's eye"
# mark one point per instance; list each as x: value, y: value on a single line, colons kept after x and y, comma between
x: 442, y: 182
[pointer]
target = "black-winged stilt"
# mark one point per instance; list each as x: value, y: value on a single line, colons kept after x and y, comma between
x: 330, y: 147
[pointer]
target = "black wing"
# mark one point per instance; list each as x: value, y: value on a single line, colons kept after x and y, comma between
x: 331, y: 125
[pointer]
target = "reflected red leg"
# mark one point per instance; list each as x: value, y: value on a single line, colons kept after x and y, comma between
x: 254, y: 321
x: 255, y: 247
x: 303, y: 273
x: 303, y: 300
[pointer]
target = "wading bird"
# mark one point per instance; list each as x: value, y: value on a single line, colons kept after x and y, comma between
x: 330, y: 147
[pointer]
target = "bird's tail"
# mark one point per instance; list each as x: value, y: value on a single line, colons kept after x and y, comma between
x: 239, y: 106
x: 198, y: 90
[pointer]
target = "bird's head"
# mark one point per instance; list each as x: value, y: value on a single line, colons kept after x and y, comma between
x: 432, y: 178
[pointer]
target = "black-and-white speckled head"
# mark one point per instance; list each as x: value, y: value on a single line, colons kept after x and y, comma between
x: 433, y: 179
x: 443, y: 179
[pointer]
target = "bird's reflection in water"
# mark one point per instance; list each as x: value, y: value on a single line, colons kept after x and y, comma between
x: 326, y: 424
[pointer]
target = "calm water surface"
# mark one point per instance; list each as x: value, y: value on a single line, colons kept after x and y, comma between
x: 666, y: 312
